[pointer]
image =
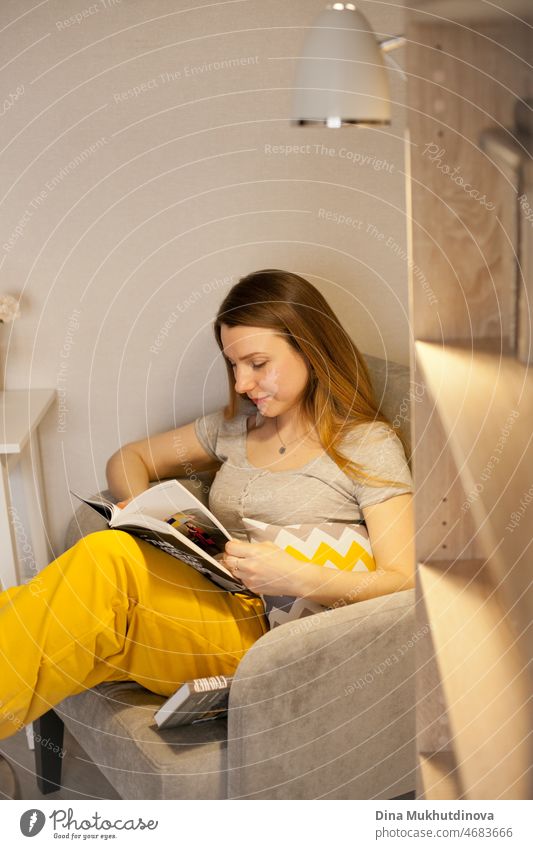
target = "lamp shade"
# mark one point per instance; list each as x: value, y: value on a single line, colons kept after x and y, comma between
x: 341, y: 77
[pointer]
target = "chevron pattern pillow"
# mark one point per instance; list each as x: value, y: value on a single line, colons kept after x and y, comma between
x: 332, y: 544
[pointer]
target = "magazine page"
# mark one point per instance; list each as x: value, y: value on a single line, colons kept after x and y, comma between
x: 165, y: 536
x: 191, y: 529
x: 169, y: 498
x: 102, y: 505
x: 168, y: 543
x: 193, y: 535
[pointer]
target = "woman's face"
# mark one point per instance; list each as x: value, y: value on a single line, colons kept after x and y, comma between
x: 266, y: 367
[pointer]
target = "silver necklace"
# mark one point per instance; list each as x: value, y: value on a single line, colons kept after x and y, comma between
x: 284, y: 444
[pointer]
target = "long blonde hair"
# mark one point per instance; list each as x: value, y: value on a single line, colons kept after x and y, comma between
x: 339, y: 394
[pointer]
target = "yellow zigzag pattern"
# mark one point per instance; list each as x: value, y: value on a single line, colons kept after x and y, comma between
x: 326, y: 552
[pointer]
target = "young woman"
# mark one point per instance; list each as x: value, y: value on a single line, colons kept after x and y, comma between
x: 308, y: 447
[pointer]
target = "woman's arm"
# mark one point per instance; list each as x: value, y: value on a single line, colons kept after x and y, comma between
x: 126, y: 474
x: 265, y: 569
x: 391, y: 533
x: 165, y: 455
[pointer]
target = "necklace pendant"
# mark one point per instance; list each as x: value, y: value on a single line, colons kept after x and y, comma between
x: 282, y: 450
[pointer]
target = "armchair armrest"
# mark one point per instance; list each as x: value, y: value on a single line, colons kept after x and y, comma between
x: 324, y: 707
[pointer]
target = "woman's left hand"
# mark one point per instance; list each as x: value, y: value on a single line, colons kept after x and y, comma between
x: 262, y: 566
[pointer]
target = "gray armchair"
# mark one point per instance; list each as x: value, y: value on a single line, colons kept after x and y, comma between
x: 323, y: 707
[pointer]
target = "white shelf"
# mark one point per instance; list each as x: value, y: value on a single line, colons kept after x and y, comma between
x: 21, y: 411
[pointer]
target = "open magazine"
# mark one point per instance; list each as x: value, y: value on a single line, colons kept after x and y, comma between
x: 172, y: 518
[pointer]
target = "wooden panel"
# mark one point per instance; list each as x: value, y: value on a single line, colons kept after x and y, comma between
x: 486, y: 404
x: 483, y: 674
x: 459, y: 83
x: 440, y: 776
x: 472, y: 428
x: 443, y: 531
x: 525, y: 282
x: 432, y: 729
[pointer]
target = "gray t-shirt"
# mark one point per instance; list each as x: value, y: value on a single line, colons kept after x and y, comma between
x: 315, y: 493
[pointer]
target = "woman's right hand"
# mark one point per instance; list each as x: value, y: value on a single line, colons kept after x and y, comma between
x: 122, y: 504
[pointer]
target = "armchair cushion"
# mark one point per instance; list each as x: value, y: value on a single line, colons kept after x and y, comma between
x: 114, y: 724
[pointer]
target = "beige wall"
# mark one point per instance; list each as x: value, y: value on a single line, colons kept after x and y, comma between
x: 139, y: 182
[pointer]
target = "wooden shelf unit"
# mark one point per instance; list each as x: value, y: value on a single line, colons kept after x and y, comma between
x: 439, y: 775
x: 487, y: 689
x: 472, y: 430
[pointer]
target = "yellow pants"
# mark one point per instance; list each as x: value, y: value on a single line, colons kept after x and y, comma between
x: 115, y: 608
